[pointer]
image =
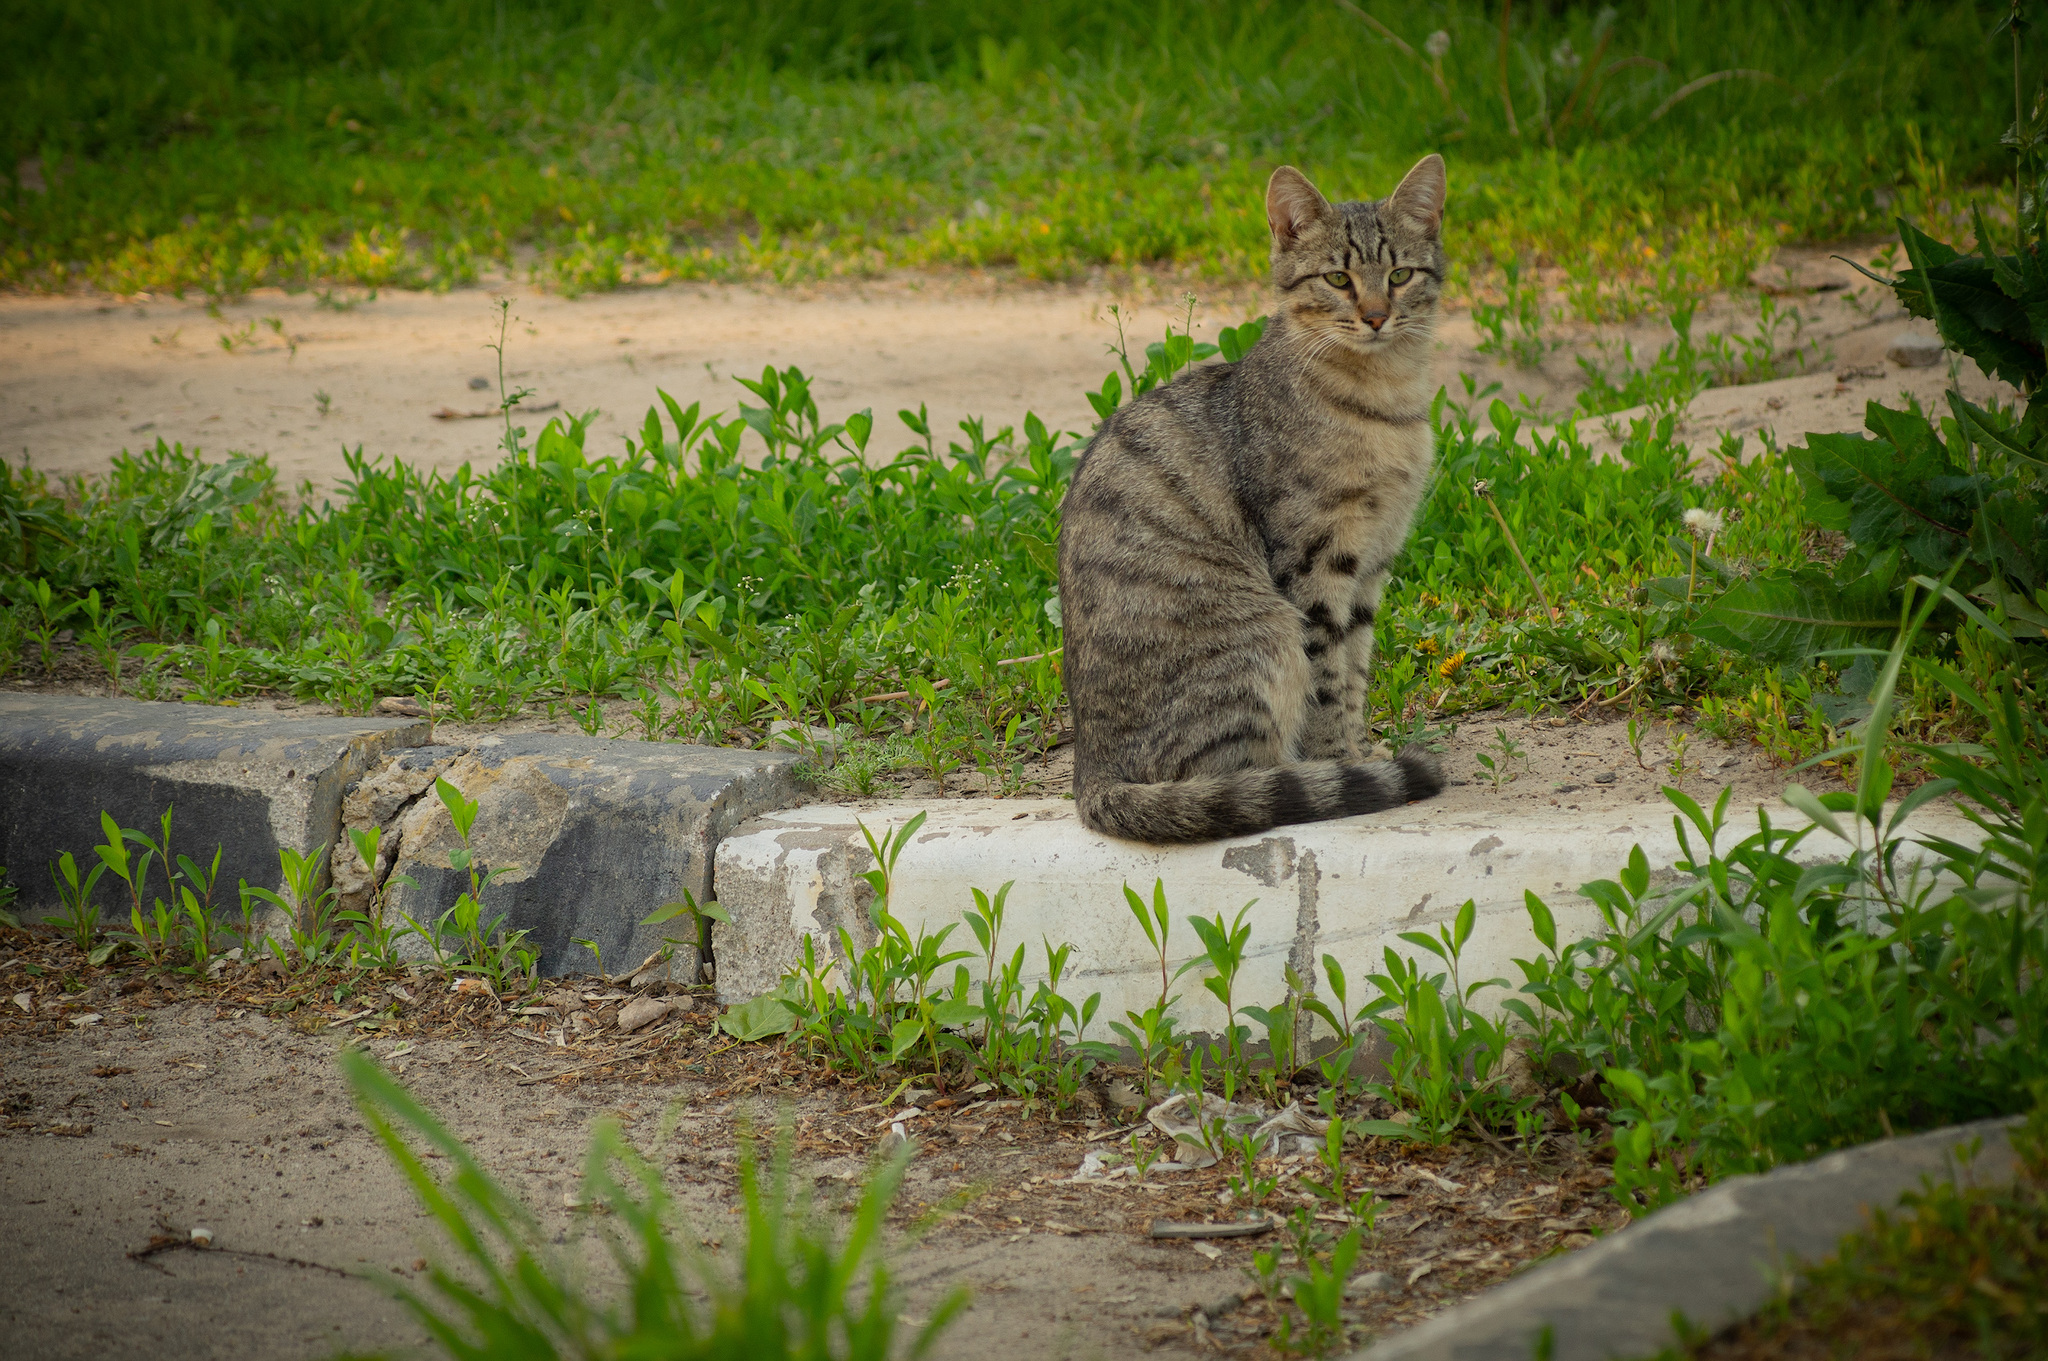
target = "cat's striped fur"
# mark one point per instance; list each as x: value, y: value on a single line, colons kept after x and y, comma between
x: 1226, y: 538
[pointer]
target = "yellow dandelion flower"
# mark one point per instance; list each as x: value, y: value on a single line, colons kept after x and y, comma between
x: 1450, y: 665
x: 1427, y: 647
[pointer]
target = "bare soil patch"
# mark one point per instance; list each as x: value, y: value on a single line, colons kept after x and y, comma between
x: 82, y: 377
x: 217, y: 1103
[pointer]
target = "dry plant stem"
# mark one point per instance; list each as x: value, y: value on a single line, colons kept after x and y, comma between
x: 1587, y: 77
x: 942, y: 684
x: 1507, y: 101
x: 1692, y: 88
x: 1515, y: 548
x: 1618, y: 698
x: 1376, y: 26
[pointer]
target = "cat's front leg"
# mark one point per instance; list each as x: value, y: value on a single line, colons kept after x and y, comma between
x: 1325, y: 733
x: 1357, y: 670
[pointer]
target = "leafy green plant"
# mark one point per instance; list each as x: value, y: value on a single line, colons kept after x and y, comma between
x: 372, y: 935
x: 1152, y: 1033
x: 480, y: 945
x: 1436, y: 1034
x: 1967, y: 491
x: 80, y: 918
x: 1767, y: 1007
x: 308, y: 907
x: 1250, y: 1184
x: 1505, y: 762
x: 895, y: 1005
x: 1223, y: 953
x: 1318, y: 1292
x: 1282, y: 1025
x: 505, y: 1292
x: 700, y: 916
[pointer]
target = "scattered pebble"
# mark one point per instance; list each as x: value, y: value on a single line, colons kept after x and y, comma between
x: 1914, y: 349
x: 202, y: 1237
x: 642, y: 1011
x: 479, y: 384
x: 1372, y: 1283
x: 1605, y: 777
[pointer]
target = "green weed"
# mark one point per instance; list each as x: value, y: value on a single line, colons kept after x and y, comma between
x: 505, y: 1291
x: 372, y: 155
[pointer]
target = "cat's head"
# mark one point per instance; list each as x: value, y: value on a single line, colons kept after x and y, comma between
x: 1365, y: 276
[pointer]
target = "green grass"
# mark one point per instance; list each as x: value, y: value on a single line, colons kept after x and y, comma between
x: 1958, y: 1269
x: 717, y: 595
x: 223, y: 144
x: 505, y: 1290
x: 720, y: 594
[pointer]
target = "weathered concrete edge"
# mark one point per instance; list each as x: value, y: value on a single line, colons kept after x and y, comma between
x: 1714, y: 1258
x: 248, y: 781
x: 1348, y: 887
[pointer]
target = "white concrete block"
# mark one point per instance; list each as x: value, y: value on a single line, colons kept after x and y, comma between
x: 1348, y: 888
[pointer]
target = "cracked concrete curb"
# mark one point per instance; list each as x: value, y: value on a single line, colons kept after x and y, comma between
x: 1715, y: 1258
x: 245, y: 781
x: 1348, y: 888
x: 602, y: 832
x: 593, y: 835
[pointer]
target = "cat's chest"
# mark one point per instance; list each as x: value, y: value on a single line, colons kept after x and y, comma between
x: 1357, y: 511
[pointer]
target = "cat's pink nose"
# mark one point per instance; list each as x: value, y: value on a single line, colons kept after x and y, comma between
x: 1375, y: 319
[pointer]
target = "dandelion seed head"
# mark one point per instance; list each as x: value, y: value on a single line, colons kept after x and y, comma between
x: 1703, y: 524
x: 1437, y: 43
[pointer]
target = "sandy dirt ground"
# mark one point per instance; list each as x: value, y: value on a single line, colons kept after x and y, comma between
x: 82, y: 378
x: 219, y: 1103
x: 133, y: 1111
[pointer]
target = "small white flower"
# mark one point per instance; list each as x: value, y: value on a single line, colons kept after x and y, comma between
x: 1437, y: 43
x: 1482, y: 488
x: 1702, y: 524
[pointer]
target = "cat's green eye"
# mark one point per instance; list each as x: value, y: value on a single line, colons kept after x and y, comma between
x: 1338, y: 280
x: 1401, y: 276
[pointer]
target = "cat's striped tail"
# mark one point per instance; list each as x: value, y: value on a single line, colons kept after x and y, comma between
x: 1212, y: 807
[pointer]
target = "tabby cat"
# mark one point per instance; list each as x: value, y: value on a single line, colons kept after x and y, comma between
x: 1226, y: 538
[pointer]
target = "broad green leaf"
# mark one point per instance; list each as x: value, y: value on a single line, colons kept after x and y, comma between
x: 1804, y: 799
x: 1540, y: 920
x: 953, y: 1012
x: 765, y: 1016
x: 903, y: 1037
x: 1960, y: 294
x: 1786, y: 618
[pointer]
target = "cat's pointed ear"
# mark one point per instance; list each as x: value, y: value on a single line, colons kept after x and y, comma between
x: 1292, y: 203
x: 1419, y: 198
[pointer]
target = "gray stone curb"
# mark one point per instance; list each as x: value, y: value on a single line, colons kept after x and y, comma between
x: 599, y: 833
x: 1714, y: 1258
x: 246, y: 782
